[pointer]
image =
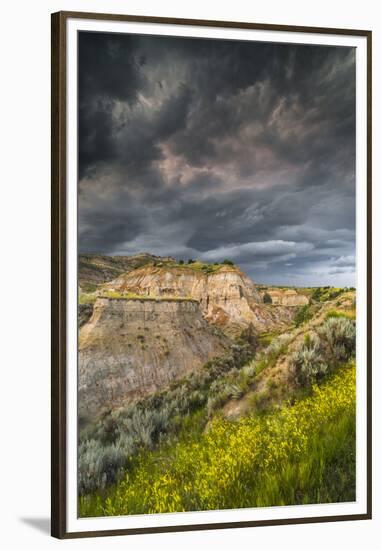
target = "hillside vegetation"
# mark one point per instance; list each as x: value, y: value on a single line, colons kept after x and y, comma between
x: 299, y: 454
x: 270, y: 422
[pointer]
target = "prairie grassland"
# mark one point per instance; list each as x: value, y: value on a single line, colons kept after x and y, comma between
x: 298, y: 454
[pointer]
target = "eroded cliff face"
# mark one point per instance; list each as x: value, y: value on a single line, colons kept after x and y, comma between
x: 289, y: 297
x: 227, y: 297
x: 130, y: 348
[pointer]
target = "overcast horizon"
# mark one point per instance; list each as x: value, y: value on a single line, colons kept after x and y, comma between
x: 215, y: 149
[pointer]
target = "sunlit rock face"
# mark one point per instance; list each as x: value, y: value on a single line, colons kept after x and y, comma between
x: 287, y: 297
x: 155, y: 324
x: 227, y: 297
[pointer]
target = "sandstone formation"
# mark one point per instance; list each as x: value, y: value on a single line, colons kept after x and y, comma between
x: 133, y: 347
x: 227, y: 297
x: 95, y: 269
x: 159, y: 320
x: 288, y: 297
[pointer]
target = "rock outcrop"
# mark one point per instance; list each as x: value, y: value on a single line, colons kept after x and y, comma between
x: 158, y: 322
x: 227, y: 297
x: 288, y: 297
x: 132, y: 347
x: 95, y: 269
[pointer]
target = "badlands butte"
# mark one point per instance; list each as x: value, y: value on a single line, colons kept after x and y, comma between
x: 146, y: 321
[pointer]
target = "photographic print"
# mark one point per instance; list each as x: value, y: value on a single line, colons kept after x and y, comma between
x: 216, y: 283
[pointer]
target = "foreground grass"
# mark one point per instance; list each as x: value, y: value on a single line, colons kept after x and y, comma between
x: 299, y: 454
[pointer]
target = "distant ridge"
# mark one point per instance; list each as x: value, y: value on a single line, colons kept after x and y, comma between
x: 95, y: 269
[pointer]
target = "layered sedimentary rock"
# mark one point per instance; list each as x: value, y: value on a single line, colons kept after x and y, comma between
x: 95, y: 269
x: 289, y: 297
x: 130, y: 348
x: 157, y: 323
x: 227, y: 297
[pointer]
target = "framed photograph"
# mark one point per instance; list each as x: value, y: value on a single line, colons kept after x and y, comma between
x: 211, y: 292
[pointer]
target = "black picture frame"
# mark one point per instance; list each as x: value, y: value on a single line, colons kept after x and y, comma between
x: 58, y: 274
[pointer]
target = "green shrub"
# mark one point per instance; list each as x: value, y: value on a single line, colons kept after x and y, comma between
x: 335, y: 293
x: 316, y: 294
x: 89, y: 287
x: 249, y: 370
x: 260, y: 401
x: 235, y: 392
x: 336, y: 343
x: 307, y: 363
x: 307, y: 340
x: 249, y: 336
x: 227, y: 262
x: 340, y: 335
x: 267, y: 298
x: 272, y: 384
x: 215, y: 402
x: 277, y: 346
x: 100, y: 465
x: 146, y: 425
x: 303, y: 315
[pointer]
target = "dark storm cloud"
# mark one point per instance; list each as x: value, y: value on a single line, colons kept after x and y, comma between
x: 214, y: 149
x: 108, y: 72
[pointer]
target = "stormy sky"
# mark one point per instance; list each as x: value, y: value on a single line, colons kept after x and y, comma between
x: 217, y: 149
